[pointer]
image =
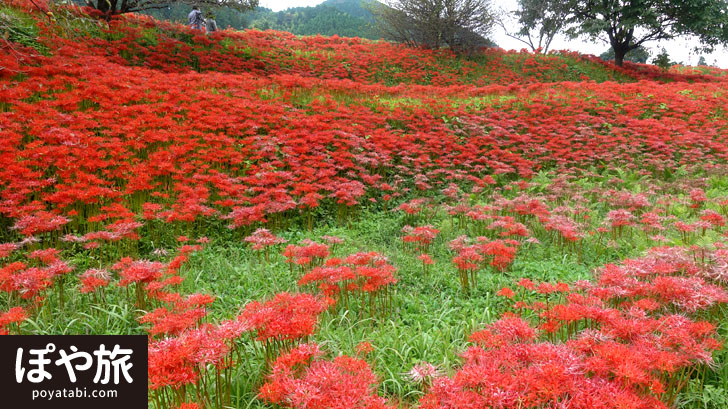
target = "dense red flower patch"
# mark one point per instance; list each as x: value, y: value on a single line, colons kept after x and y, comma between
x: 301, y: 379
x: 180, y: 146
x: 621, y: 346
x: 113, y: 143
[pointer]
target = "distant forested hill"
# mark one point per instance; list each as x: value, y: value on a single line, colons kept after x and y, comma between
x: 346, y: 18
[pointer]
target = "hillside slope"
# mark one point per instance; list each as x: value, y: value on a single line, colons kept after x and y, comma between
x: 331, y: 222
x: 504, y: 113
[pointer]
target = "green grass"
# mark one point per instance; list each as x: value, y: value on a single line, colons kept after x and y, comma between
x: 20, y: 28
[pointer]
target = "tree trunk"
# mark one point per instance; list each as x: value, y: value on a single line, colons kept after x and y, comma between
x: 620, y: 50
x: 102, y: 6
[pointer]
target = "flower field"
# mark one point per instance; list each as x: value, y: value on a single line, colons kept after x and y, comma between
x: 324, y: 222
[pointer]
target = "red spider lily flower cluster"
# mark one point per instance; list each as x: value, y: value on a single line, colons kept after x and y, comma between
x: 470, y: 259
x: 15, y: 315
x: 94, y: 279
x: 302, y: 379
x: 420, y: 237
x: 185, y: 359
x: 621, y: 346
x: 413, y: 207
x: 180, y: 166
x: 182, y: 315
x: 262, y: 239
x: 359, y: 279
x: 30, y: 282
x: 285, y: 317
x: 308, y: 255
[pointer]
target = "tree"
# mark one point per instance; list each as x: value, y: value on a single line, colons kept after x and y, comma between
x: 539, y: 22
x: 110, y: 7
x: 638, y: 55
x: 459, y: 24
x: 701, y: 61
x: 663, y: 61
x: 628, y: 24
x: 224, y: 16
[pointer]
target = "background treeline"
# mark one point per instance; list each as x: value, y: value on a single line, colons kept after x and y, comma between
x: 346, y: 18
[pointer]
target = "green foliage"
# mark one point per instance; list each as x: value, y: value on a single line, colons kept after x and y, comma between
x: 322, y: 19
x: 638, y: 55
x: 127, y: 6
x: 346, y: 18
x: 662, y: 60
x: 461, y: 26
x: 627, y: 25
x: 19, y: 28
x: 539, y: 21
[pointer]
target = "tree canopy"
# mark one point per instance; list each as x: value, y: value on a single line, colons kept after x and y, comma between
x: 536, y: 22
x: 346, y: 18
x: 638, y: 55
x: 628, y: 24
x: 110, y: 7
x: 461, y: 25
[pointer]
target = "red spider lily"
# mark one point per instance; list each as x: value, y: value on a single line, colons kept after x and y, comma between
x: 544, y: 374
x: 46, y: 256
x: 181, y: 316
x: 262, y: 239
x: 7, y: 248
x: 94, y: 279
x: 509, y: 329
x: 628, y: 200
x: 284, y: 320
x: 508, y: 227
x: 358, y: 277
x: 308, y: 255
x: 195, y: 357
x: 15, y: 315
x: 697, y: 197
x: 567, y: 229
x: 420, y: 236
x: 712, y: 217
x: 426, y: 261
x: 506, y: 292
x: 470, y: 259
x: 525, y: 205
x: 170, y: 364
x: 651, y: 222
x: 139, y: 273
x: 364, y: 348
x: 39, y: 222
x: 618, y: 219
x: 243, y: 216
x: 500, y: 252
x: 452, y: 191
x: 299, y: 379
x: 413, y: 207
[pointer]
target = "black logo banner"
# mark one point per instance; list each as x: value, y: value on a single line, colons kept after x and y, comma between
x: 74, y: 371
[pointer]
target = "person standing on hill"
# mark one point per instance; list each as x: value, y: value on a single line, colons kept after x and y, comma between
x: 210, y: 23
x: 195, y: 18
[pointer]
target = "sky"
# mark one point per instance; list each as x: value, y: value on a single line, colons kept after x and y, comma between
x: 680, y: 49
